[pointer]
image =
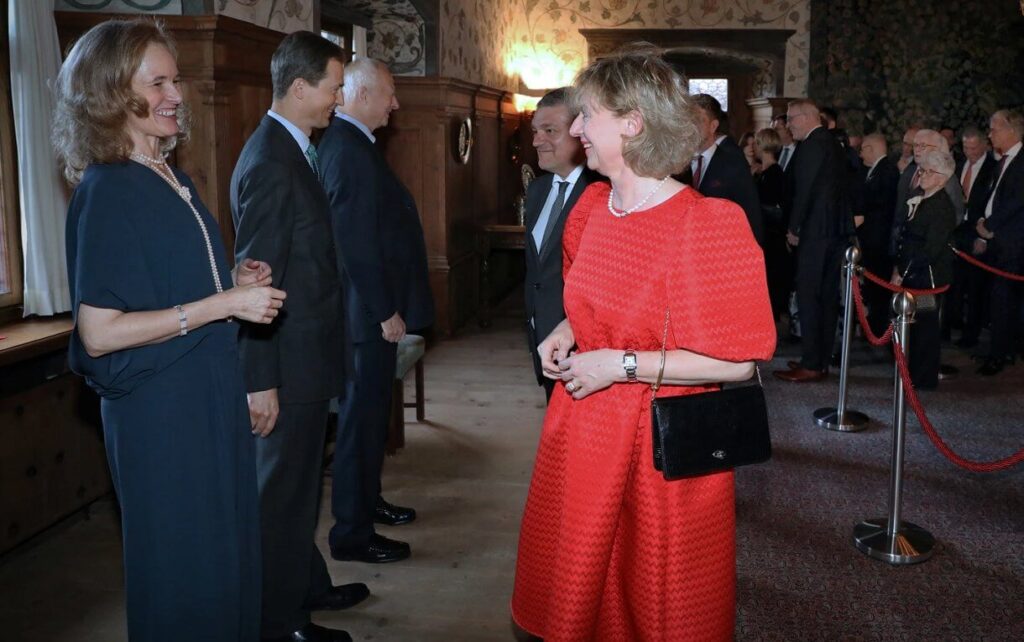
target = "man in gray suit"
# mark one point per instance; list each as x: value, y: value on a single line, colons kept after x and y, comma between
x: 548, y: 201
x: 295, y: 365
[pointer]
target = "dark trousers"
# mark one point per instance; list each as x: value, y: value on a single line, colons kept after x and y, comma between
x: 288, y: 468
x: 925, y: 348
x: 1006, y: 298
x: 877, y: 299
x: 359, y: 450
x: 818, y: 272
x: 979, y: 284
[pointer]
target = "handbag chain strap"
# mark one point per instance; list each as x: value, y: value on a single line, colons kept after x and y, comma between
x: 661, y: 364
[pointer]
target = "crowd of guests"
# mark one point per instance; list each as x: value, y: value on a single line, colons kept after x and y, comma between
x: 215, y: 384
x: 820, y: 190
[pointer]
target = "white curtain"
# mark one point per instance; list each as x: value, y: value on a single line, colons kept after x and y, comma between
x: 35, y: 61
x: 359, y: 42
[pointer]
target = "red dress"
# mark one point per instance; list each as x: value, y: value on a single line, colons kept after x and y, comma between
x: 608, y: 549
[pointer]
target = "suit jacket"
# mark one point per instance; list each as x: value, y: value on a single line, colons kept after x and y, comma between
x: 1007, y: 220
x: 876, y: 200
x: 381, y: 252
x: 728, y: 176
x: 981, y: 189
x: 820, y: 207
x: 281, y: 216
x: 544, y: 269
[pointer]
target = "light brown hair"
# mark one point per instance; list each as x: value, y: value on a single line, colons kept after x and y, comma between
x: 94, y: 95
x: 768, y: 141
x: 638, y: 79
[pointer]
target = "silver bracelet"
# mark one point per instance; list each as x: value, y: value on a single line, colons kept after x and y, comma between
x: 182, y: 321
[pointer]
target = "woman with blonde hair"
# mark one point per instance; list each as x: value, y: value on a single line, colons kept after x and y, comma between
x: 153, y: 300
x: 610, y: 550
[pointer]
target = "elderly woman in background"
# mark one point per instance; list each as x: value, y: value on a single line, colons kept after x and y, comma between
x: 610, y: 550
x: 923, y: 261
x: 153, y: 299
x: 771, y: 187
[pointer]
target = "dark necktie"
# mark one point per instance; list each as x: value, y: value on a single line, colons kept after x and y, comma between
x: 314, y: 160
x: 700, y: 171
x: 556, y: 212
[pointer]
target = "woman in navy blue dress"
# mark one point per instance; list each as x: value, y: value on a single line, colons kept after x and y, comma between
x: 153, y: 300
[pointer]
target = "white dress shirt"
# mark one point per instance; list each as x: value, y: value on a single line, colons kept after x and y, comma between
x: 1010, y: 155
x: 360, y: 126
x: 707, y: 154
x: 784, y: 159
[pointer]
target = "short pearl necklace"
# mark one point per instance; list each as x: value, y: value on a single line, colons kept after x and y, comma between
x: 159, y: 165
x: 619, y: 214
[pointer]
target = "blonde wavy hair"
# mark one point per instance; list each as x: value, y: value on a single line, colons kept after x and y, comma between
x: 94, y: 95
x: 637, y: 78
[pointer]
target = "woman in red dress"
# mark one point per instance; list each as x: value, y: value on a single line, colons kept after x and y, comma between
x: 608, y: 549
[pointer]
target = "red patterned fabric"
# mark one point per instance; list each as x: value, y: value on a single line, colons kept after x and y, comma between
x: 610, y: 551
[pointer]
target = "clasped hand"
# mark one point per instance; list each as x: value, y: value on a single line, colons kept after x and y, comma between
x: 253, y: 299
x: 582, y: 372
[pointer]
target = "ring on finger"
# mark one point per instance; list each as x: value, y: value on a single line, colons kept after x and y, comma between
x: 571, y: 386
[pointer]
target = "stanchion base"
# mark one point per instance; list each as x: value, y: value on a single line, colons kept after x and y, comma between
x: 912, y: 543
x: 851, y: 421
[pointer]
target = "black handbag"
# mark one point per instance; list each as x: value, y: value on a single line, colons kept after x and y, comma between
x: 709, y: 432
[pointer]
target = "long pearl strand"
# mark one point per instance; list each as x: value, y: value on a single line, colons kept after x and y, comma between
x: 619, y: 214
x: 159, y: 165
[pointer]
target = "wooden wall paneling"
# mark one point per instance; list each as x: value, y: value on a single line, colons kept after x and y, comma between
x: 53, y: 461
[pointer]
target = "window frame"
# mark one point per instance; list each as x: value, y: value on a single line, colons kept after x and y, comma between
x: 10, y: 209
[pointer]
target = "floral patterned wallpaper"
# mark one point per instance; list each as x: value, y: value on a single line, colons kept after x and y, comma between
x: 477, y: 39
x: 398, y: 34
x: 553, y: 25
x: 281, y: 15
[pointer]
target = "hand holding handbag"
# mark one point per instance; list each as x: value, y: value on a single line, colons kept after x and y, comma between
x: 709, y: 432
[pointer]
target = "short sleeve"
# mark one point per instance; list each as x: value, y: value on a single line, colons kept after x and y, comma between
x: 576, y: 222
x: 717, y: 291
x: 107, y: 267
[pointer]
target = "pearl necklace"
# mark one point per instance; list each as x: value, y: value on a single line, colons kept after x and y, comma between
x: 617, y: 214
x: 159, y: 165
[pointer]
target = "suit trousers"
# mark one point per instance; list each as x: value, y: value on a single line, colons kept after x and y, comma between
x: 1005, y: 310
x: 288, y: 468
x: 925, y: 348
x: 359, y: 450
x: 818, y: 272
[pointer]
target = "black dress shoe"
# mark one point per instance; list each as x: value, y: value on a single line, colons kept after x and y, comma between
x: 391, y: 515
x: 379, y: 551
x: 991, y: 367
x: 340, y: 597
x: 314, y: 633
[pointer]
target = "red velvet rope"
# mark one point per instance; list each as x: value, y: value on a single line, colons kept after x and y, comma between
x: 929, y: 430
x: 975, y: 262
x: 864, y: 325
x: 877, y: 280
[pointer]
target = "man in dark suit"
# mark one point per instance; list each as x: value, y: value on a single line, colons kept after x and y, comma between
x: 293, y: 366
x: 820, y: 227
x: 876, y: 203
x: 970, y: 284
x: 721, y: 170
x: 1001, y: 238
x: 548, y: 202
x: 383, y: 264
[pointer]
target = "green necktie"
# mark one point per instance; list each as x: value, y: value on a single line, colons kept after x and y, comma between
x: 314, y: 160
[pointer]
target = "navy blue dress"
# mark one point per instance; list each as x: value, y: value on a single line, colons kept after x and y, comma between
x: 175, y: 419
